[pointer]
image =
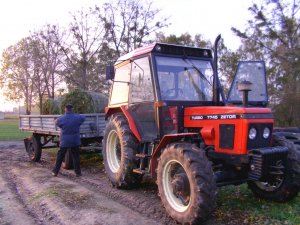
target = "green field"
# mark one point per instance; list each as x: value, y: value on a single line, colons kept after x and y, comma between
x: 236, y: 204
x: 9, y: 129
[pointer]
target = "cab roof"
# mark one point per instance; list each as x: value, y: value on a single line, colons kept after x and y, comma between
x: 168, y: 49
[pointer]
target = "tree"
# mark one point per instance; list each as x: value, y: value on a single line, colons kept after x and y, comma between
x: 130, y: 23
x: 81, y: 50
x: 274, y: 33
x: 184, y: 39
x: 29, y: 68
x: 16, y: 72
x: 44, y: 52
x: 49, y: 56
x: 228, y: 62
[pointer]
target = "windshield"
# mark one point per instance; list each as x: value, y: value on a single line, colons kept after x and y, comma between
x: 184, y: 79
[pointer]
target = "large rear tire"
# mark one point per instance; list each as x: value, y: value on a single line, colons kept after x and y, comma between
x: 119, y: 150
x: 186, y: 183
x: 34, y: 148
x: 286, y: 186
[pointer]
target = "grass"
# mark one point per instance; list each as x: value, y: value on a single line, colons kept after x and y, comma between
x: 91, y: 159
x: 239, y: 204
x: 9, y: 129
x: 87, y: 159
x: 50, y: 192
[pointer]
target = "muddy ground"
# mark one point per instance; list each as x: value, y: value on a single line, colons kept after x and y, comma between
x: 30, y: 195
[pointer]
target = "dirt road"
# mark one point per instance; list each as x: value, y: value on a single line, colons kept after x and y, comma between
x: 30, y: 195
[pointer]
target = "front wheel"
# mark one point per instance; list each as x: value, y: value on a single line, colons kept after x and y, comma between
x: 119, y: 149
x: 284, y: 187
x: 186, y: 183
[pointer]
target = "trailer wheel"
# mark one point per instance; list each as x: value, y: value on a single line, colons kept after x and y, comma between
x: 186, y: 183
x: 34, y: 148
x: 68, y: 161
x: 119, y: 149
x: 286, y: 186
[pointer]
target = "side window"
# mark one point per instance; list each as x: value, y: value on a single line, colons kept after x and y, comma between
x: 120, y: 89
x: 141, y: 83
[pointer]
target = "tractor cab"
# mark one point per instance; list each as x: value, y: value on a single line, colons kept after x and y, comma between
x: 157, y: 82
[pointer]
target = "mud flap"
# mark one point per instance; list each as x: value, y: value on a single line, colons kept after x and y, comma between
x: 27, y: 142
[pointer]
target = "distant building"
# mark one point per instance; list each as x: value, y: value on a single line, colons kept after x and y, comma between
x: 1, y: 115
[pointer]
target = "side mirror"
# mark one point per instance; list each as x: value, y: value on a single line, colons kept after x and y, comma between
x: 110, y: 72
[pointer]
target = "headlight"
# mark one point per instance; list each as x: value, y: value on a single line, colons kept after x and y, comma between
x: 266, y: 133
x: 252, y: 133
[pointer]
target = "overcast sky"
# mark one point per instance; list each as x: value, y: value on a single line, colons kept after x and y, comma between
x: 206, y: 17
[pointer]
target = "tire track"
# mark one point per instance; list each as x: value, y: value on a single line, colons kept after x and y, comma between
x: 144, y: 200
x: 21, y: 196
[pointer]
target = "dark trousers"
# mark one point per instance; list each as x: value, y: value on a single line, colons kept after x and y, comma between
x: 61, y: 155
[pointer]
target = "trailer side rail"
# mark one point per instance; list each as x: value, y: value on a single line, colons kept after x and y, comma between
x: 93, y: 125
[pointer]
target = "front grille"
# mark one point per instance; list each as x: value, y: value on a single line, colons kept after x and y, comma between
x: 267, y: 162
x: 227, y: 136
x: 259, y: 141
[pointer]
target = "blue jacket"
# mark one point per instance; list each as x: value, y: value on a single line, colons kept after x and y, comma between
x: 70, y: 129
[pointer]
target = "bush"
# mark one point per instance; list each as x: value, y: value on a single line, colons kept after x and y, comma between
x: 51, y: 106
x: 83, y: 102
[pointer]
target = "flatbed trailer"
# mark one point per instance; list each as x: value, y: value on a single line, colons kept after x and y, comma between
x: 45, y: 134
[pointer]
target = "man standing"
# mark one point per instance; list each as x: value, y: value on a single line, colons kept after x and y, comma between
x: 69, y: 139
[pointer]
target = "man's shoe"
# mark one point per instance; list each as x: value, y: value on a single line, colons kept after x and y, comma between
x: 54, y: 174
x: 78, y: 174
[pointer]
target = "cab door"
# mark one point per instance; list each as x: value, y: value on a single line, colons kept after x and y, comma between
x: 141, y: 99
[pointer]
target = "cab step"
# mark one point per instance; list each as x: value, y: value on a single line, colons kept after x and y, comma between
x: 139, y: 171
x: 142, y: 156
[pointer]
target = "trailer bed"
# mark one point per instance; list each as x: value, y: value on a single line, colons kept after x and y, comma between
x: 92, y: 127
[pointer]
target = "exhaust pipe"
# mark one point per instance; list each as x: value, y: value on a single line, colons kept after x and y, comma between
x: 216, y: 88
x: 245, y: 86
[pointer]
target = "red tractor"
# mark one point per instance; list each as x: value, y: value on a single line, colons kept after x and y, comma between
x: 168, y: 118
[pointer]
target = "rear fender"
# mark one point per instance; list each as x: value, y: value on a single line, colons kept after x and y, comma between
x: 167, y: 139
x: 131, y: 122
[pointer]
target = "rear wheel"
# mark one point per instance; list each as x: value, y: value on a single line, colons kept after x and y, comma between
x: 34, y: 148
x: 186, y: 183
x: 119, y: 150
x: 283, y: 187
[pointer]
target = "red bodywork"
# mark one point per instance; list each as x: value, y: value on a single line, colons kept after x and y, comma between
x: 209, y: 128
x: 162, y: 144
x: 196, y: 117
x: 124, y: 110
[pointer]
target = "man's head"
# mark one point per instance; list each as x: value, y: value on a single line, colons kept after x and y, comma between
x: 68, y: 108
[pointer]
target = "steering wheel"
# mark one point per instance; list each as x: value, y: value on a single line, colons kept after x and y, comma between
x: 170, y: 93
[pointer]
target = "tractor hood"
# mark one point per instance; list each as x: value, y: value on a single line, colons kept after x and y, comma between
x: 225, y: 113
x: 226, y: 127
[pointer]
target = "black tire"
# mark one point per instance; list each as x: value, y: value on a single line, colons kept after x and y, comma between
x: 68, y: 161
x: 288, y: 185
x: 34, y: 148
x: 186, y: 183
x: 119, y: 150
